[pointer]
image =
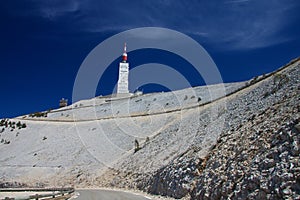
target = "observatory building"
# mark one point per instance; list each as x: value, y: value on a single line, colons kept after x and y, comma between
x: 123, y: 75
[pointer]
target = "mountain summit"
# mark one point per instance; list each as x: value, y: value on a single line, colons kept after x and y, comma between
x: 235, y: 140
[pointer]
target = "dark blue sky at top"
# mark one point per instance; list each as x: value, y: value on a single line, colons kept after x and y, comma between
x: 43, y: 43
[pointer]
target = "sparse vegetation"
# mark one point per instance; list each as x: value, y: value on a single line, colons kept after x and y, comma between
x: 6, y: 123
x: 254, y: 80
x: 6, y: 142
x: 39, y: 114
x: 137, y: 146
x: 19, y: 124
x: 237, y: 145
x: 147, y: 139
x: 279, y: 80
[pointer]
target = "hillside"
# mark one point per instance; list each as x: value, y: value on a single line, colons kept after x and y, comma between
x: 254, y: 154
x: 237, y: 140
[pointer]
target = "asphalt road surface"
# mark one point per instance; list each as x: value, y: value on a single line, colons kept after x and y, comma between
x: 107, y: 195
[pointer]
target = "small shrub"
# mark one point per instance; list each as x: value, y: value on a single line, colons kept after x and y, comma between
x: 266, y: 94
x: 185, y: 97
x: 137, y: 146
x: 6, y: 142
x: 18, y: 124
x: 38, y: 114
x: 254, y: 80
x: 2, y: 122
x: 147, y: 139
x: 24, y: 125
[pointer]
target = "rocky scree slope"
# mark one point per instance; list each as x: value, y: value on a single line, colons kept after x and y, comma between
x: 208, y: 150
x: 253, y: 155
x: 75, y: 144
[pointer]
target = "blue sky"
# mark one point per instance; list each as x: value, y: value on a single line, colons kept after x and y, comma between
x: 43, y: 43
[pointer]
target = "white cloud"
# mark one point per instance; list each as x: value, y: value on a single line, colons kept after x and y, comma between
x: 54, y: 8
x: 254, y: 25
x: 233, y: 24
x: 236, y: 1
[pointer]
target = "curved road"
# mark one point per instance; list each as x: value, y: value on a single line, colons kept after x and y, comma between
x: 107, y: 195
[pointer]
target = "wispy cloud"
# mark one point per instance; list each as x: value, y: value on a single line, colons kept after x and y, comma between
x: 236, y: 1
x: 248, y: 24
x: 54, y: 9
x: 233, y: 24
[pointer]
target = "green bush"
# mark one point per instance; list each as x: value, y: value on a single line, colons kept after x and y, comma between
x: 39, y: 114
x: 137, y: 146
x: 19, y: 124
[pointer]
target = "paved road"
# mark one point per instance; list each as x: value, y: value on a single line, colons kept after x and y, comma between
x: 107, y: 195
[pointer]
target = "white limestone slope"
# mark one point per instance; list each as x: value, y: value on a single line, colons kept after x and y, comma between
x: 75, y: 144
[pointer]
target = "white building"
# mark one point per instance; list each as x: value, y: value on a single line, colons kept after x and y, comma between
x: 123, y: 74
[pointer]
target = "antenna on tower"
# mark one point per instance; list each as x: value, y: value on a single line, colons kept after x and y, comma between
x: 125, y: 47
x: 124, y: 54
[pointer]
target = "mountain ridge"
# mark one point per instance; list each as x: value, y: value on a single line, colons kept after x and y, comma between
x: 100, y: 152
